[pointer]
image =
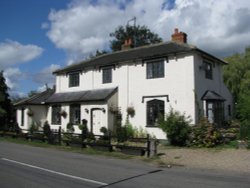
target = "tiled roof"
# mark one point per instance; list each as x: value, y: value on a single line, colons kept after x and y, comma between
x: 36, y: 99
x: 81, y: 96
x: 140, y: 53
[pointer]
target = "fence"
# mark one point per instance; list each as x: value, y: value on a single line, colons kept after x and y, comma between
x: 109, y: 142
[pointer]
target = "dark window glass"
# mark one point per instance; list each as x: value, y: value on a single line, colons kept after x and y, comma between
x: 155, y: 109
x: 75, y: 113
x: 22, y: 117
x: 107, y: 75
x: 56, y: 116
x: 74, y: 79
x: 208, y: 70
x: 155, y: 69
x: 229, y: 110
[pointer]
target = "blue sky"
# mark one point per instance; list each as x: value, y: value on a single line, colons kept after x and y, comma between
x: 40, y: 36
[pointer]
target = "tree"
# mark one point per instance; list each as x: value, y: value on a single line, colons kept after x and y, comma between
x: 5, y: 103
x: 237, y: 78
x: 140, y: 36
x: 237, y: 73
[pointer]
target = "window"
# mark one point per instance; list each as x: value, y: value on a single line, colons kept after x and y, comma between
x: 75, y: 113
x: 74, y: 79
x: 155, y: 109
x: 55, y: 115
x: 155, y: 69
x: 107, y: 75
x: 208, y: 70
x: 22, y: 117
x: 229, y: 110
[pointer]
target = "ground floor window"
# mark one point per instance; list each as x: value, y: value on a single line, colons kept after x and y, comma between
x: 22, y: 117
x: 56, y: 116
x: 155, y: 109
x: 215, y: 112
x: 75, y: 113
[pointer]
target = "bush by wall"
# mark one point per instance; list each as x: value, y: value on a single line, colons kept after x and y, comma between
x: 176, y: 126
x: 205, y: 135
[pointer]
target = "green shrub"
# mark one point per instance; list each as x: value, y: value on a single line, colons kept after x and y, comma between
x: 140, y: 133
x: 104, y: 130
x: 46, y: 129
x: 176, y: 126
x: 205, y: 135
x: 129, y: 130
x: 70, y: 128
x: 33, y: 128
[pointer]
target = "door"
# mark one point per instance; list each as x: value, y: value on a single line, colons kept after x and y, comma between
x: 215, y: 112
x: 97, y: 121
x: 210, y: 112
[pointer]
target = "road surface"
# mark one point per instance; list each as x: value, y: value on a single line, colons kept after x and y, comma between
x: 25, y: 166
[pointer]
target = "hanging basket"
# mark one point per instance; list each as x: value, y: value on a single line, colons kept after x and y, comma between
x: 30, y: 113
x: 63, y: 113
x: 131, y: 111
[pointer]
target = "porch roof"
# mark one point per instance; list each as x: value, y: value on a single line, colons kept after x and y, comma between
x: 82, y: 96
x: 212, y: 95
x: 36, y: 99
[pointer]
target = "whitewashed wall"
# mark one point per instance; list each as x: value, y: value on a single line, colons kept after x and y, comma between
x: 132, y: 83
x: 39, y: 117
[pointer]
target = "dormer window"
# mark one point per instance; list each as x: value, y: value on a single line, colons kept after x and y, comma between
x: 208, y: 70
x: 107, y: 75
x: 74, y: 79
x: 155, y: 69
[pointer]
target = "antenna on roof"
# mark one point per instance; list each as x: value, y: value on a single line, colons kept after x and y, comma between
x: 134, y: 37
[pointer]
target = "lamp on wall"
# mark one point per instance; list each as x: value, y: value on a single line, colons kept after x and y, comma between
x: 103, y: 110
x: 86, y: 110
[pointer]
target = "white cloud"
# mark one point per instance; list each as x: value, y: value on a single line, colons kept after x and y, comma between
x: 12, y: 53
x: 45, y: 76
x: 12, y: 76
x: 220, y: 27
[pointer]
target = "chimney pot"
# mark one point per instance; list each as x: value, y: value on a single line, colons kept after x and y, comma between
x: 176, y: 30
x: 127, y: 44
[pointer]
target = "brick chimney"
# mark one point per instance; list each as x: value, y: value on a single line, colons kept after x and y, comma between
x: 179, y: 36
x: 127, y: 44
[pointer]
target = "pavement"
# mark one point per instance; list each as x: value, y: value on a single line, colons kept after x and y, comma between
x: 25, y: 166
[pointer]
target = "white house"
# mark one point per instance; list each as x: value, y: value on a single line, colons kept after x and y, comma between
x: 149, y: 79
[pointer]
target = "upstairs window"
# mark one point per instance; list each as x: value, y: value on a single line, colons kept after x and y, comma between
x: 155, y: 69
x: 155, y: 110
x: 208, y: 70
x: 75, y: 114
x: 107, y: 75
x: 56, y: 116
x: 74, y: 79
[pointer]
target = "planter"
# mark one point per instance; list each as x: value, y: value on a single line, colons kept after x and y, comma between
x: 131, y: 150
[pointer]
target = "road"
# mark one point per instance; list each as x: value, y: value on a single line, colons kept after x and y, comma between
x: 25, y: 166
